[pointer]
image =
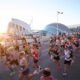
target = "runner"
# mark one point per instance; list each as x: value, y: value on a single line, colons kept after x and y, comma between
x: 27, y: 51
x: 67, y: 60
x: 35, y: 58
x: 39, y: 48
x: 55, y: 56
x: 13, y: 63
x: 47, y: 75
x: 24, y: 67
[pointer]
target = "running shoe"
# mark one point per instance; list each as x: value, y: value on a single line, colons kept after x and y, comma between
x: 64, y: 74
x: 12, y: 73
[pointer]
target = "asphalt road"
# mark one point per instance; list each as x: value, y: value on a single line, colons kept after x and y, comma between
x: 73, y: 74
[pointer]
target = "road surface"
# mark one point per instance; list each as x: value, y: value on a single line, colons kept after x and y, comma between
x: 74, y: 72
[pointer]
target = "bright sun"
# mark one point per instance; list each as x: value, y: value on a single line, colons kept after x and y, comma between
x: 3, y: 26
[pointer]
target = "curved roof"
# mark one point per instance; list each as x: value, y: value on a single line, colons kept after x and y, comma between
x: 21, y: 26
x: 21, y: 23
x: 52, y: 28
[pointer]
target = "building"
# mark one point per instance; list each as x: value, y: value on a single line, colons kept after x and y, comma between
x: 75, y: 28
x: 17, y: 28
x: 40, y: 33
x: 52, y: 28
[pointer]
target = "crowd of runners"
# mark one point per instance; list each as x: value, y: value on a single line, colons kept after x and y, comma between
x: 16, y: 57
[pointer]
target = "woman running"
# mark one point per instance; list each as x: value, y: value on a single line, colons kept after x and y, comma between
x: 56, y: 56
x: 67, y: 60
x: 24, y: 67
x: 35, y: 57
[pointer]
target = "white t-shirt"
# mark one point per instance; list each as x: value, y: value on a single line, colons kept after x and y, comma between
x: 22, y: 61
x: 62, y: 42
x: 67, y: 55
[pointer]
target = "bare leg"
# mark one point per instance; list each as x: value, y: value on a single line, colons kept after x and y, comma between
x: 30, y: 77
x: 21, y: 77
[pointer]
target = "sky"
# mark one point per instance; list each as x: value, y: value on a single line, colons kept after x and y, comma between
x: 39, y: 13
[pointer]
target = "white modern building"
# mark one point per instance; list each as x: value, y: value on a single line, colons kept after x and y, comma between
x: 18, y: 28
x: 52, y: 29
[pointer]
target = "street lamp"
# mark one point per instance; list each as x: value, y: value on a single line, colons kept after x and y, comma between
x: 58, y: 12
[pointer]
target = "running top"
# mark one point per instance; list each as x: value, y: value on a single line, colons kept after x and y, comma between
x: 35, y: 55
x: 23, y: 62
x: 67, y: 55
x: 55, y: 53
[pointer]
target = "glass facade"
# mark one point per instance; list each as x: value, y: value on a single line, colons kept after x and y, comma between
x: 52, y: 28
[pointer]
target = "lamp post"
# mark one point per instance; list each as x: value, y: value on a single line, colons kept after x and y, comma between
x: 58, y: 12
